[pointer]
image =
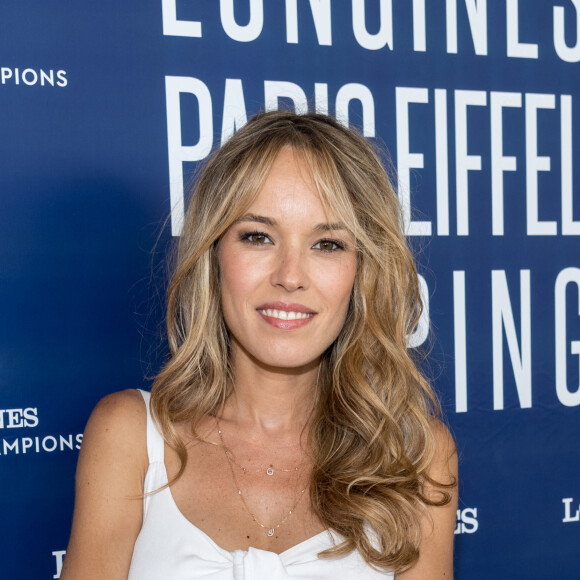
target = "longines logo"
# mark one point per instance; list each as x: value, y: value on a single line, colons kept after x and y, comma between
x: 466, y: 522
x: 27, y: 418
x: 31, y: 77
x: 17, y: 418
x: 571, y: 510
x: 46, y: 444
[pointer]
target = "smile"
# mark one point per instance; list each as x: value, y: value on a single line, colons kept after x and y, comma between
x: 283, y: 315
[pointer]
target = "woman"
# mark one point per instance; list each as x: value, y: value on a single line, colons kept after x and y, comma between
x: 299, y: 438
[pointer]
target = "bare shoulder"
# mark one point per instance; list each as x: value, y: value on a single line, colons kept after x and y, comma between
x: 437, y: 529
x: 117, y: 429
x: 445, y: 447
x: 116, y: 433
x: 118, y: 409
x: 442, y: 470
x: 109, y: 486
x: 118, y: 423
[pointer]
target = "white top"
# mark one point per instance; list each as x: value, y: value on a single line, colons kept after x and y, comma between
x: 170, y: 547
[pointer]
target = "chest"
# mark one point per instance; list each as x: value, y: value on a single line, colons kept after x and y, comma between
x: 245, y: 498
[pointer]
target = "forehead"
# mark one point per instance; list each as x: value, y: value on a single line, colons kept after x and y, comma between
x: 290, y: 190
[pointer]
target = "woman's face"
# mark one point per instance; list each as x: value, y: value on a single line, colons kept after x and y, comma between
x: 287, y: 271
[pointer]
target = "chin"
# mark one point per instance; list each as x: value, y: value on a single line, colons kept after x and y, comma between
x: 285, y: 359
x: 290, y: 363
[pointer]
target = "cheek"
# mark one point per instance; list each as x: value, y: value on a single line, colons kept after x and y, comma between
x: 230, y: 282
x: 238, y: 281
x: 339, y: 285
x: 346, y: 278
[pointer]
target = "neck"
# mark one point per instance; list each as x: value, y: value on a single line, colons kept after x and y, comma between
x: 270, y: 401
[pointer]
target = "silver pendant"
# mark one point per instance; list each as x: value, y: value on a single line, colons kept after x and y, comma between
x: 270, y: 471
x: 270, y: 532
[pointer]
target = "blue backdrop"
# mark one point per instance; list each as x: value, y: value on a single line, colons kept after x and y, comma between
x: 105, y: 109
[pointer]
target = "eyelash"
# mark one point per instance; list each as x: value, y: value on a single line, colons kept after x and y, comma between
x: 247, y: 237
x: 339, y: 245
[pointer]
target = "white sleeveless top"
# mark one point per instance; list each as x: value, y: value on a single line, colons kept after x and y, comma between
x: 170, y: 547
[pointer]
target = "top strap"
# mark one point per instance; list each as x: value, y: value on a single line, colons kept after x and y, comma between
x: 155, y: 441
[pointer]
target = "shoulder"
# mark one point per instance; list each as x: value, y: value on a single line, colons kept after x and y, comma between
x: 123, y: 410
x: 109, y: 489
x: 118, y: 425
x: 127, y: 404
x: 444, y: 442
x: 438, y: 520
x: 443, y: 465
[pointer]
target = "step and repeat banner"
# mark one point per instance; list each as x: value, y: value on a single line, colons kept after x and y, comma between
x: 106, y: 110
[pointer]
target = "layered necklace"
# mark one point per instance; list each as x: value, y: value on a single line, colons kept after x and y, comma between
x: 270, y: 471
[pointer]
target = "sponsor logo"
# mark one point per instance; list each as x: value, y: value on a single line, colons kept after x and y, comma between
x: 18, y: 418
x: 59, y: 556
x: 571, y: 510
x: 32, y: 77
x: 27, y: 418
x: 466, y: 522
x: 48, y: 444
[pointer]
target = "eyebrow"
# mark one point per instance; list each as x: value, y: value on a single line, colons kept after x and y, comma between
x: 324, y: 227
x: 252, y: 217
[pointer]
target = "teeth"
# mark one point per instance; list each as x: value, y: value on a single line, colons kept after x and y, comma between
x: 283, y: 315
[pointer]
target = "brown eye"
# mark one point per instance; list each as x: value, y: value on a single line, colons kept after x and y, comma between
x: 328, y: 246
x: 256, y: 238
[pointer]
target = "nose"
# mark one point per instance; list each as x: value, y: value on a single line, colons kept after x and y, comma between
x: 290, y: 271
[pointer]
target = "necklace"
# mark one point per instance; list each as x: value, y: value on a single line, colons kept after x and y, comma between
x: 270, y: 530
x: 270, y: 470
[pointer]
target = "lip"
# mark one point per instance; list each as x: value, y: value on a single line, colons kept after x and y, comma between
x: 294, y: 307
x: 285, y: 307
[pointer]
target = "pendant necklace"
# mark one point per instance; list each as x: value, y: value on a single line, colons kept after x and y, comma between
x: 270, y: 470
x: 271, y: 529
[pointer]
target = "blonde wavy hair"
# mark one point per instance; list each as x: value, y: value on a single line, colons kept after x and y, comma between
x: 371, y: 436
